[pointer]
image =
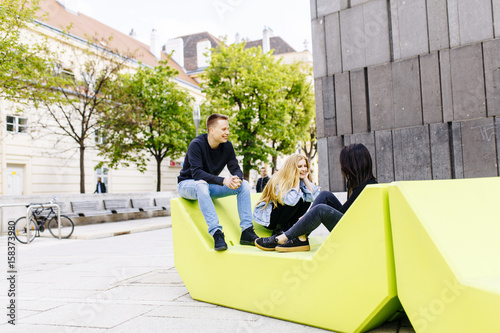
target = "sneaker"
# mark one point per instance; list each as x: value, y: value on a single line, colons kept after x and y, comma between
x: 267, y: 243
x: 294, y: 245
x: 248, y: 236
x: 220, y: 244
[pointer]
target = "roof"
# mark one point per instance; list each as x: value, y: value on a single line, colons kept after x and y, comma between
x: 83, y: 26
x: 277, y: 43
x: 190, y: 54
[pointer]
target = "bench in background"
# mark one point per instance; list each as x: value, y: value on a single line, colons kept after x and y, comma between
x: 88, y: 208
x: 118, y: 206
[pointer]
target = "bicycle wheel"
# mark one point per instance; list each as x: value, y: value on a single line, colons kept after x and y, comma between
x: 67, y: 227
x: 21, y: 229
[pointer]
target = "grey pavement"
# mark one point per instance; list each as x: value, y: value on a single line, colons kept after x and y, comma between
x: 119, y: 277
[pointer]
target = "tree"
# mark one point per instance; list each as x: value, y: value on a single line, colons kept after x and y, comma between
x: 152, y: 118
x: 265, y: 99
x: 24, y: 70
x: 81, y: 81
x: 310, y: 144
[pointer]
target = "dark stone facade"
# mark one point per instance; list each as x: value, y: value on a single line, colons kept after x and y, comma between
x: 417, y: 82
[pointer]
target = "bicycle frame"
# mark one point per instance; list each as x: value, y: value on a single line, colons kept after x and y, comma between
x: 29, y: 211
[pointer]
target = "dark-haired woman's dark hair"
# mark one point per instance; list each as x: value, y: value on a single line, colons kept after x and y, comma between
x: 356, y: 165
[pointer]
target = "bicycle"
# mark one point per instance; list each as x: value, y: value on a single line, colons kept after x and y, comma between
x: 37, y: 223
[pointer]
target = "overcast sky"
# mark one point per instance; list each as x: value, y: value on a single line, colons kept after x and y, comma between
x: 289, y: 19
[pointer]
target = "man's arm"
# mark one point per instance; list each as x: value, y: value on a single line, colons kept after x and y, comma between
x: 232, y: 163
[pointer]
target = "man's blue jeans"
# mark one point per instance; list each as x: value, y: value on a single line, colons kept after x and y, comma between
x: 203, y: 192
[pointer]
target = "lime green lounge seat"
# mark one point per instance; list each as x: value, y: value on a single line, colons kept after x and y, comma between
x: 447, y: 253
x: 346, y: 283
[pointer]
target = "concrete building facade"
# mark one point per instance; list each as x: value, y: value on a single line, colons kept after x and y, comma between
x: 417, y: 82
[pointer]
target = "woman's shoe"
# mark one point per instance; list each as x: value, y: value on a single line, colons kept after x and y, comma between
x: 267, y: 243
x: 294, y: 245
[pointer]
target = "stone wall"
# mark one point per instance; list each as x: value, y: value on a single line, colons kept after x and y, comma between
x: 416, y: 81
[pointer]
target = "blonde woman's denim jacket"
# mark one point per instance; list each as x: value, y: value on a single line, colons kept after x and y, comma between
x: 262, y: 215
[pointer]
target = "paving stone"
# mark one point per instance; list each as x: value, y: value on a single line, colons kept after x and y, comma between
x: 175, y: 310
x: 468, y: 82
x: 353, y: 39
x: 343, y: 103
x: 453, y: 23
x: 333, y: 50
x: 431, y: 90
x: 314, y: 13
x: 475, y: 20
x: 446, y: 89
x: 440, y: 151
x: 319, y: 48
x: 384, y: 156
x: 407, y: 99
x: 335, y: 145
x: 412, y: 28
x: 359, y: 109
x: 479, y: 148
x: 438, y: 25
x: 376, y: 32
x: 412, y: 156
x: 323, y: 166
x: 491, y: 51
x: 457, y: 156
x: 320, y: 117
x: 381, y: 97
x: 325, y: 7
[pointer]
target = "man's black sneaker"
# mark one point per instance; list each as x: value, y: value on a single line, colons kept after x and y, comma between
x: 248, y: 236
x: 294, y: 245
x: 267, y: 243
x: 220, y: 244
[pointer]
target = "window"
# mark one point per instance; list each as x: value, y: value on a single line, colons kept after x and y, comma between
x: 103, y: 174
x: 99, y: 137
x: 17, y: 124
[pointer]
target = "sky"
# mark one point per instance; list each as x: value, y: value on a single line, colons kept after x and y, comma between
x: 289, y: 19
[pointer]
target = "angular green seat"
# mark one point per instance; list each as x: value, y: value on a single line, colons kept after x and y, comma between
x: 447, y: 253
x: 346, y: 283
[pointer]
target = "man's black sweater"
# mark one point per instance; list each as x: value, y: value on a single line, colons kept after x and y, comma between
x: 204, y: 163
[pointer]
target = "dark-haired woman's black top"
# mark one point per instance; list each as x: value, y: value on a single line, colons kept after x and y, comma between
x: 355, y: 193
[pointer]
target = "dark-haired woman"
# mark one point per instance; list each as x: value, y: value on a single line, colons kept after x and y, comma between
x: 356, y: 167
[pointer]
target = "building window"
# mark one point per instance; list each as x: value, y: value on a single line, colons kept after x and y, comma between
x: 103, y: 174
x: 99, y: 137
x: 17, y: 124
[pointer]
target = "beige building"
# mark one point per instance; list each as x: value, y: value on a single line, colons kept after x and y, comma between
x: 36, y: 162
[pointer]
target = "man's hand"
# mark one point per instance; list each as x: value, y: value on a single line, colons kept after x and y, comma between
x: 232, y: 182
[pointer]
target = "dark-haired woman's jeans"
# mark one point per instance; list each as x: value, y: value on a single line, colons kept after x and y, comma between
x: 324, y: 210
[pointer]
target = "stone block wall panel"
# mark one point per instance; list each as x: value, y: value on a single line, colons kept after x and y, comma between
x: 325, y: 7
x: 320, y: 117
x: 407, y: 98
x: 358, y: 102
x: 467, y: 78
x: 384, y: 156
x: 353, y: 38
x: 438, y: 25
x: 446, y: 89
x: 496, y: 17
x: 323, y: 172
x: 314, y: 13
x: 332, y: 38
x: 376, y: 31
x: 430, y: 87
x: 412, y: 158
x: 381, y: 97
x: 409, y: 28
x: 329, y: 111
x: 330, y: 127
x: 319, y: 47
x: 453, y: 23
x: 335, y: 145
x: 440, y: 151
x: 479, y: 148
x: 475, y: 20
x: 456, y: 151
x: 343, y: 104
x: 491, y: 51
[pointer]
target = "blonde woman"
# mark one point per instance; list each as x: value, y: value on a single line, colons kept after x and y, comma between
x: 287, y: 195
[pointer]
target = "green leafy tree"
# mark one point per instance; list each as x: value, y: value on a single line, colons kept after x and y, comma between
x: 265, y: 99
x: 151, y: 119
x: 24, y: 62
x: 81, y: 81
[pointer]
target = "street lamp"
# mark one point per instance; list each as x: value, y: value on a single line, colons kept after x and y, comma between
x: 196, y: 116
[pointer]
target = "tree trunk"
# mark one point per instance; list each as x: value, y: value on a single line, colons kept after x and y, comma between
x: 275, y: 161
x: 82, y: 168
x: 158, y: 174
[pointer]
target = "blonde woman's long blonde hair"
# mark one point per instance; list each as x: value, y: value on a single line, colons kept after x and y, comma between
x: 285, y: 179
